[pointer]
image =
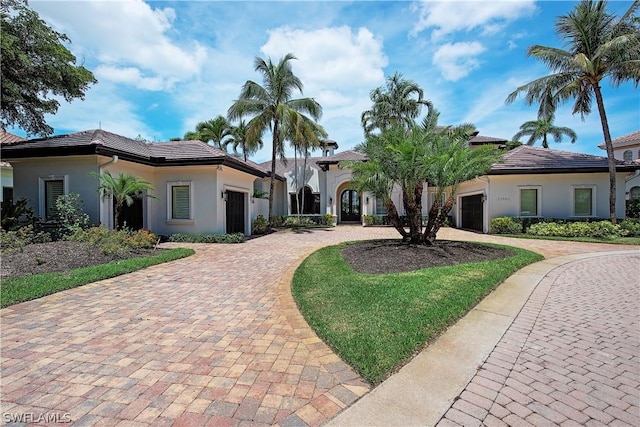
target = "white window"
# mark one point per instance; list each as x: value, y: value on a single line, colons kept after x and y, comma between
x: 180, y: 201
x: 380, y: 208
x: 50, y: 188
x: 530, y: 201
x: 634, y: 192
x: 627, y: 155
x: 584, y: 201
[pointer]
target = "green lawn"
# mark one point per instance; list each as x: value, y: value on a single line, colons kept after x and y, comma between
x: 377, y: 322
x: 19, y: 289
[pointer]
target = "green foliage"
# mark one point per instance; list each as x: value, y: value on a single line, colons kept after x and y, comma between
x: 600, y: 229
x: 631, y: 227
x: 257, y: 194
x: 260, y: 225
x: 633, y: 208
x: 295, y: 221
x: 504, y: 225
x: 17, y: 239
x: 368, y: 219
x: 115, y: 242
x: 207, y: 238
x: 215, y: 131
x: 17, y: 214
x: 375, y: 322
x: 19, y: 289
x: 539, y: 129
x: 37, y: 69
x: 277, y: 220
x: 70, y: 216
x: 326, y: 219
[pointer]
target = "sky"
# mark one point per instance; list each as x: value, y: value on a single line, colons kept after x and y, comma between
x: 164, y: 66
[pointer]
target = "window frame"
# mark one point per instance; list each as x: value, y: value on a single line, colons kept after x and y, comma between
x: 593, y: 200
x: 170, y: 218
x: 42, y: 203
x: 631, y: 191
x: 629, y: 154
x: 538, y: 190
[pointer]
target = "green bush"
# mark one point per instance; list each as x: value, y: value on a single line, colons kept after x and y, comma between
x: 17, y: 239
x: 294, y: 221
x: 277, y: 221
x: 259, y: 225
x: 600, y: 229
x: 633, y: 208
x: 207, y: 238
x: 70, y: 215
x: 505, y: 225
x: 630, y: 227
x: 115, y: 242
x: 327, y: 219
x: 16, y: 214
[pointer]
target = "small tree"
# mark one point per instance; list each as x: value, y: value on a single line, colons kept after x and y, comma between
x: 70, y: 213
x: 123, y: 189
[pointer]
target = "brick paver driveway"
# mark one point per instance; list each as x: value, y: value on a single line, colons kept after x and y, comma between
x: 213, y: 339
x: 571, y: 357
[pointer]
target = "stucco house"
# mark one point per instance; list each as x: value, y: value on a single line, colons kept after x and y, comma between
x: 199, y: 189
x: 627, y: 148
x: 6, y: 171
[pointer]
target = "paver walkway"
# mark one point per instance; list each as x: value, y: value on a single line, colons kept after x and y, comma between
x: 571, y: 357
x: 214, y: 339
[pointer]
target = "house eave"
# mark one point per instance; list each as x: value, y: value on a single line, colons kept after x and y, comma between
x: 549, y: 171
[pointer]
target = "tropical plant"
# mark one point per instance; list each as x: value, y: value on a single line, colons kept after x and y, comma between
x: 35, y: 64
x: 216, y: 132
x: 123, y: 189
x: 238, y: 138
x: 70, y: 214
x: 598, y: 46
x: 539, y: 129
x: 399, y: 101
x: 271, y: 107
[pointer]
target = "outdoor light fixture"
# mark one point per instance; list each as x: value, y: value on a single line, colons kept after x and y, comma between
x: 330, y: 200
x: 367, y: 200
x: 223, y: 195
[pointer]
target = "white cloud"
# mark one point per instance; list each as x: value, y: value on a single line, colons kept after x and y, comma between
x: 456, y: 60
x: 127, y: 38
x: 447, y: 17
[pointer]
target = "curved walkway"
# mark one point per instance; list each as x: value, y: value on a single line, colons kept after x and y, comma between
x: 214, y: 339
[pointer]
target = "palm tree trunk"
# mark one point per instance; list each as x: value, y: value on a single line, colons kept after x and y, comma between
x: 272, y: 180
x: 440, y: 218
x: 394, y: 218
x: 610, y: 157
x: 545, y: 144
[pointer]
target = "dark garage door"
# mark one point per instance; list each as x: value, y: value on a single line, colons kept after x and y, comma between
x: 235, y: 212
x: 472, y: 212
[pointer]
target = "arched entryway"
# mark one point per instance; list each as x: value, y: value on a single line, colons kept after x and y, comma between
x: 308, y: 200
x: 350, y: 206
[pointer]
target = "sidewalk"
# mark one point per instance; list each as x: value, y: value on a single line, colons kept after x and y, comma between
x: 491, y: 368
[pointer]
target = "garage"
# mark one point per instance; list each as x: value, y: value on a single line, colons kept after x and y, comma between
x: 235, y: 212
x: 472, y: 212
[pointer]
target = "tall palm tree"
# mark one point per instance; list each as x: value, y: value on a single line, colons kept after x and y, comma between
x: 270, y: 107
x: 215, y: 131
x: 124, y: 189
x: 539, y: 129
x: 399, y: 101
x: 238, y: 138
x: 598, y: 46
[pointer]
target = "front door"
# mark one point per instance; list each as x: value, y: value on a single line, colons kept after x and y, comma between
x: 235, y: 212
x: 350, y: 206
x: 472, y: 217
x: 131, y: 216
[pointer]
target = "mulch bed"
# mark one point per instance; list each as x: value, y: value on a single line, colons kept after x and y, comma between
x: 58, y: 256
x: 393, y: 256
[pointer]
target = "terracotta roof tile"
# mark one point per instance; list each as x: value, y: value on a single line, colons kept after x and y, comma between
x: 9, y: 138
x: 631, y: 138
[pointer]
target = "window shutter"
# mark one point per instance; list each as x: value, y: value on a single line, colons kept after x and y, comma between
x: 180, y: 202
x: 582, y: 201
x: 52, y: 190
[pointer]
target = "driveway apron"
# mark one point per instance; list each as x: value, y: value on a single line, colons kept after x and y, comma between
x: 213, y: 339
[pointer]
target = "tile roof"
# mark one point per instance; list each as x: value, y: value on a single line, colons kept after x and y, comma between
x: 479, y: 139
x: 98, y: 141
x: 629, y: 139
x: 314, y: 162
x: 9, y: 138
x: 527, y: 159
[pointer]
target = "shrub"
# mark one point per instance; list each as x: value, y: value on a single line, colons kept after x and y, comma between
x: 600, y: 229
x: 115, y: 242
x: 207, y: 238
x: 633, y: 208
x: 547, y: 229
x: 259, y: 225
x: 505, y: 225
x: 630, y: 227
x: 368, y: 219
x: 17, y: 239
x: 277, y: 221
x: 70, y: 215
x: 327, y: 219
x: 16, y: 214
x: 294, y: 221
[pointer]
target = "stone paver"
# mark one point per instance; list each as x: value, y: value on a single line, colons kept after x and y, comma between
x: 214, y: 339
x: 571, y: 357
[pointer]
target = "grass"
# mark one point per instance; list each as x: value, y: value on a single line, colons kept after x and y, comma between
x: 20, y: 289
x: 377, y: 322
x: 610, y: 240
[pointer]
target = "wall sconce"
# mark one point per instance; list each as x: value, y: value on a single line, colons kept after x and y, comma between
x: 331, y: 200
x: 367, y: 200
x: 484, y: 198
x: 223, y: 195
x: 253, y: 199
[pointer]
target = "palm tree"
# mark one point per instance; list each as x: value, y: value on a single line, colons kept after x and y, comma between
x: 598, y: 46
x: 123, y: 189
x: 270, y: 106
x: 215, y: 131
x: 399, y: 101
x: 539, y: 129
x: 238, y: 138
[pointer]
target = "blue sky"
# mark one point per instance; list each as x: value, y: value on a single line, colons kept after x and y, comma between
x: 164, y: 66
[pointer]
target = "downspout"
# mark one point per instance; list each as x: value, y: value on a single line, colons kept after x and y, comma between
x: 108, y: 216
x: 486, y: 179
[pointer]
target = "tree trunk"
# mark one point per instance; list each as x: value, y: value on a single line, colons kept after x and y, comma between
x: 413, y: 208
x: 272, y: 180
x: 116, y: 216
x: 610, y: 158
x: 394, y: 218
x: 437, y: 219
